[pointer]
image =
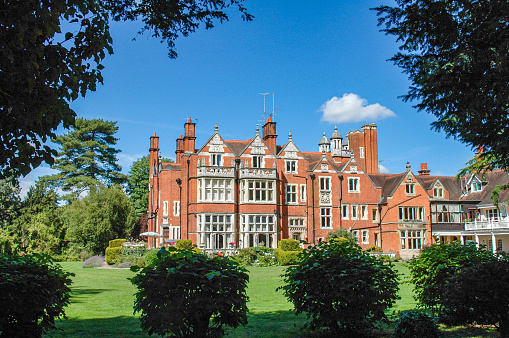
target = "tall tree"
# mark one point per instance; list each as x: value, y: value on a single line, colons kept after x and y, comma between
x: 39, y: 227
x: 87, y: 157
x: 10, y: 203
x: 456, y: 56
x: 103, y: 215
x: 137, y: 184
x: 43, y: 67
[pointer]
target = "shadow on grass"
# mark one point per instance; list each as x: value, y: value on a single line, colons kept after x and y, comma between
x: 122, y: 326
x: 78, y: 292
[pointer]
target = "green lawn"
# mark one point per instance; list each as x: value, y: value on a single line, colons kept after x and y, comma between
x: 102, y: 306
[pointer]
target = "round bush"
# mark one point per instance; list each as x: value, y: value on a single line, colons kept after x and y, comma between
x: 416, y: 324
x: 341, y: 288
x: 183, y: 290
x: 33, y: 292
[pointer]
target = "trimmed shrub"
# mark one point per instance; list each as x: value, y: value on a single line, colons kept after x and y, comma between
x: 431, y: 271
x: 341, y: 288
x: 112, y: 254
x: 183, y: 290
x: 289, y: 245
x: 33, y: 293
x: 150, y: 257
x: 415, y: 323
x: 114, y: 243
x: 93, y: 262
x: 184, y: 244
x: 287, y: 257
x: 478, y: 294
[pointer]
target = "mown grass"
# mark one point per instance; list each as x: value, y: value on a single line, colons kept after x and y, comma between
x: 102, y: 306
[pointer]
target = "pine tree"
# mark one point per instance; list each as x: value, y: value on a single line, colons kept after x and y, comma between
x: 87, y: 157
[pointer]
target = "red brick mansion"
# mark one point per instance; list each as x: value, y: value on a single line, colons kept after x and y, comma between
x: 232, y: 194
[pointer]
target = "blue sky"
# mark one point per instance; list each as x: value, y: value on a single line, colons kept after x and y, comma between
x: 325, y: 62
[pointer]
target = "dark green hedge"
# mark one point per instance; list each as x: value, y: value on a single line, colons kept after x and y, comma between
x: 289, y: 245
x: 287, y: 257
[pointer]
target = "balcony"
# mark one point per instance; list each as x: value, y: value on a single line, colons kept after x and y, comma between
x: 495, y: 223
x: 210, y: 171
x: 258, y: 173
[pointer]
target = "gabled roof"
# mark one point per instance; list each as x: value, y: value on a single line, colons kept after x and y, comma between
x: 388, y: 182
x: 315, y: 158
x: 493, y: 179
x: 237, y: 146
x: 450, y: 183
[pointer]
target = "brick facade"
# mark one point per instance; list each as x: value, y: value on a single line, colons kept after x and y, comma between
x: 232, y: 194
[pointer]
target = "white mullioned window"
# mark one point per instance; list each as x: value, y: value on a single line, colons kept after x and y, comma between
x: 258, y: 230
x: 217, y: 230
x: 353, y: 184
x: 216, y: 160
x: 411, y: 213
x: 411, y: 239
x: 215, y: 190
x: 259, y: 191
x: 325, y: 184
x: 291, y: 166
x: 326, y: 217
x: 291, y: 193
x: 257, y: 161
x: 410, y: 189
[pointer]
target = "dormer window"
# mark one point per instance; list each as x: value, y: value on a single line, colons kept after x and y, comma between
x: 476, y: 186
x: 410, y: 189
x: 438, y: 192
x: 215, y: 159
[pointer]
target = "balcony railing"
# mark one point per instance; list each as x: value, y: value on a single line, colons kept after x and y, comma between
x: 489, y: 224
x: 215, y: 171
x: 257, y: 173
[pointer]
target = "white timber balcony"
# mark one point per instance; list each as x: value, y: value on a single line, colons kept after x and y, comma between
x: 494, y: 223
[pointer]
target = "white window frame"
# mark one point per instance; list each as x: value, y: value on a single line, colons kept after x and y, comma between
x: 258, y: 161
x: 326, y: 218
x: 291, y: 166
x: 365, y: 237
x: 355, y: 211
x: 374, y: 212
x: 344, y: 212
x: 216, y: 160
x: 292, y: 193
x: 259, y: 191
x: 165, y: 208
x: 325, y: 183
x: 218, y: 230
x: 364, y: 212
x: 410, y: 189
x: 412, y: 239
x: 215, y: 190
x: 356, y: 186
x: 176, y: 208
x: 303, y: 192
x: 411, y: 213
x: 438, y: 192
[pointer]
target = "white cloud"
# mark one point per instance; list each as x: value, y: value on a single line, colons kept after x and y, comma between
x: 382, y: 169
x: 353, y: 108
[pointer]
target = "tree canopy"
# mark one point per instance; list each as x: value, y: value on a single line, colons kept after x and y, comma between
x: 137, y: 183
x: 87, y: 157
x: 51, y: 52
x: 456, y: 56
